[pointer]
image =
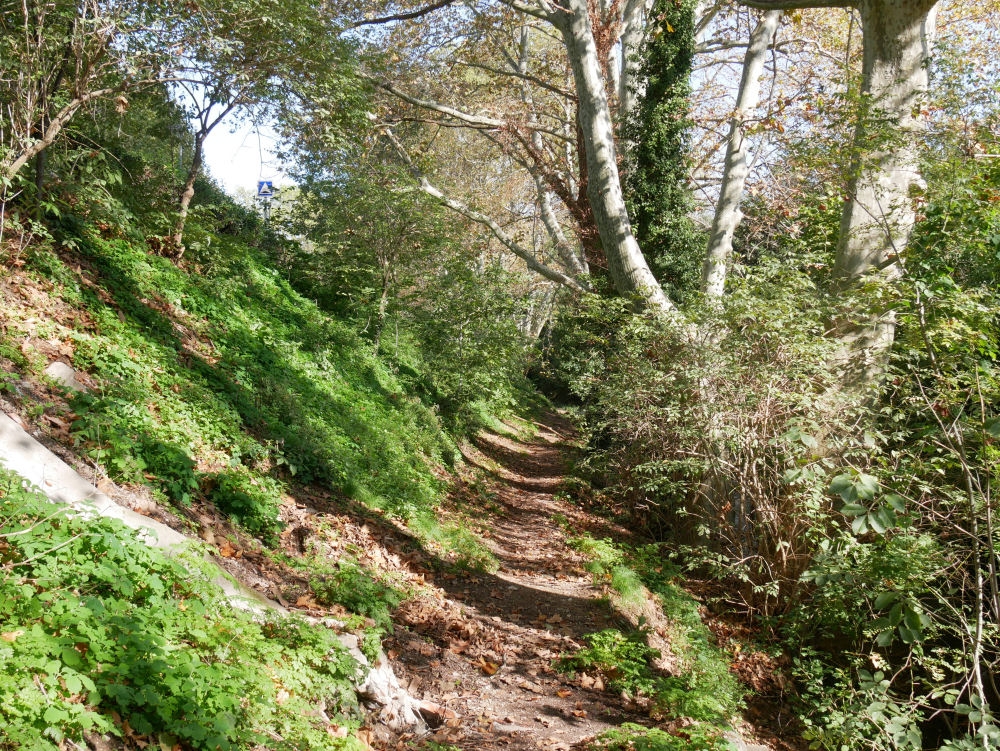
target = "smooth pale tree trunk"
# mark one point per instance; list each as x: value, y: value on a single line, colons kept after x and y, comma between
x: 876, y: 224
x: 878, y: 217
x: 635, y: 17
x: 628, y: 268
x: 727, y: 212
x: 188, y: 192
x: 574, y: 262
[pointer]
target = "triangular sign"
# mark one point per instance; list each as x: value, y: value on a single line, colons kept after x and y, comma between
x: 265, y: 189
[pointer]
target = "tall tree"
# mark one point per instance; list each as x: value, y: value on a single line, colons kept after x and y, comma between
x: 879, y: 216
x: 58, y: 57
x: 254, y: 59
x: 736, y: 167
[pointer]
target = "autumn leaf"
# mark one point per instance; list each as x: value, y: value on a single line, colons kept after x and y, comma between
x: 490, y: 668
x: 11, y: 636
x: 562, y: 693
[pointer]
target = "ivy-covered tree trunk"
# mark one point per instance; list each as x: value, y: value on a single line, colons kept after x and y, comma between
x: 656, y: 189
x: 627, y: 266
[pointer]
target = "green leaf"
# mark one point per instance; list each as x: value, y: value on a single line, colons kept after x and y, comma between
x: 852, y: 509
x: 882, y: 519
x: 866, y: 486
x: 993, y: 427
x: 860, y: 525
x: 843, y: 485
x: 885, y: 599
x: 54, y: 714
x: 897, y: 502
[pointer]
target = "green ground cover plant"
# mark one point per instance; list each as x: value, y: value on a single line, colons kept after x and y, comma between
x: 101, y: 634
x: 702, y: 690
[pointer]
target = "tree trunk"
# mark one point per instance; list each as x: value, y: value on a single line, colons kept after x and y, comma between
x: 877, y: 220
x: 635, y: 17
x: 627, y: 266
x: 727, y: 212
x: 188, y: 193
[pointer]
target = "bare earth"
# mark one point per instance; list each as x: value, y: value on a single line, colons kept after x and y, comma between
x: 482, y: 645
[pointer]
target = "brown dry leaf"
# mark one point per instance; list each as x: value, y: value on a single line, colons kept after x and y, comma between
x: 490, y: 668
x: 226, y: 549
x: 306, y: 601
x: 11, y: 636
x: 579, y: 712
x: 458, y: 647
x: 366, y: 736
x: 562, y: 693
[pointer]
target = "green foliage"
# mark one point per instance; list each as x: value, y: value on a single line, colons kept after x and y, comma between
x: 703, y: 688
x: 714, y: 446
x: 397, y: 265
x: 234, y: 368
x: 607, y: 564
x: 101, y: 633
x: 632, y: 737
x: 623, y: 659
x: 358, y: 591
x: 657, y: 192
x: 253, y: 500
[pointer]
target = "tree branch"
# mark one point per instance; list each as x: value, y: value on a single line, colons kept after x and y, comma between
x: 498, y: 232
x: 420, y: 12
x: 795, y: 4
x: 523, y: 76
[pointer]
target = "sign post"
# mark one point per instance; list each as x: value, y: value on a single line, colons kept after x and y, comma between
x: 265, y: 192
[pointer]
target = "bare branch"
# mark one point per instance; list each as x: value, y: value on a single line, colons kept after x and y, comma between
x: 419, y: 13
x: 498, y: 232
x: 479, y: 121
x: 795, y: 4
x: 524, y: 76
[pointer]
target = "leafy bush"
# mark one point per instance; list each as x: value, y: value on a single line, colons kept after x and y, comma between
x: 99, y: 633
x: 358, y: 591
x: 624, y: 660
x: 632, y: 737
x: 253, y: 500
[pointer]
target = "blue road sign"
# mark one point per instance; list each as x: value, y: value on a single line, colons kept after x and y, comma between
x: 265, y: 189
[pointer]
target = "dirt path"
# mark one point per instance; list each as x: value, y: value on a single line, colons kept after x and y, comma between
x: 481, y: 646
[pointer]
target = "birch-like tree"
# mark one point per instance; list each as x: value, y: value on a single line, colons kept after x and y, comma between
x: 736, y: 168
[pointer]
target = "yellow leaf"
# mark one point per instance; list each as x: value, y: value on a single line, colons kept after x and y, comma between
x: 490, y: 668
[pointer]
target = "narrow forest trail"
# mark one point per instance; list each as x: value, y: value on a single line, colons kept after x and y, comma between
x: 481, y: 646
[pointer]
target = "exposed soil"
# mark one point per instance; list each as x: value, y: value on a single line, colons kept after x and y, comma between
x: 483, y: 645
